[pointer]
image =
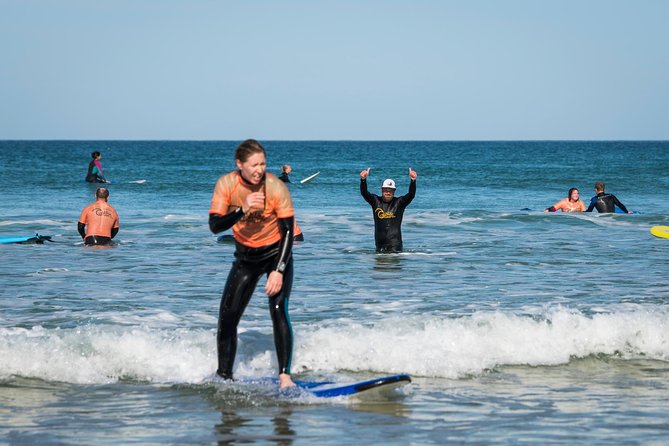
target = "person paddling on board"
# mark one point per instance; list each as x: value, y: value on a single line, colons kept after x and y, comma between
x: 259, y: 209
x: 572, y: 203
x: 95, y: 174
x: 388, y: 211
x: 98, y: 223
x: 603, y: 202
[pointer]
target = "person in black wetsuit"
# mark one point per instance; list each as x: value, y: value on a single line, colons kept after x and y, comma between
x: 259, y: 209
x: 603, y: 202
x: 285, y: 171
x: 94, y: 174
x: 388, y: 211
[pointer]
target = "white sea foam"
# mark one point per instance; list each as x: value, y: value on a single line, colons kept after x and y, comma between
x: 429, y: 346
x: 94, y: 355
x: 447, y: 347
x: 41, y: 222
x: 173, y: 217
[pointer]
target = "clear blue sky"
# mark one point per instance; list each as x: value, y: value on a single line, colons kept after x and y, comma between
x: 334, y: 69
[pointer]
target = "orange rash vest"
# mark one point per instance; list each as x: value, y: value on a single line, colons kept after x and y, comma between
x: 259, y: 227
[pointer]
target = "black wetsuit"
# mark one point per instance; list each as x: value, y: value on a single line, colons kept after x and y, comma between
x: 388, y: 217
x: 284, y: 177
x: 605, y: 203
x: 249, y: 265
x: 92, y: 177
x: 95, y: 239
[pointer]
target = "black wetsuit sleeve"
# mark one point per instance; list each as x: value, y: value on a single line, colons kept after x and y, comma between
x: 219, y: 223
x: 369, y: 198
x: 619, y: 204
x: 114, y: 231
x: 593, y: 202
x: 82, y: 229
x: 412, y: 192
x: 286, y: 227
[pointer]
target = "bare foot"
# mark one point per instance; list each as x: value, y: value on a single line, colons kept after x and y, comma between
x: 285, y: 381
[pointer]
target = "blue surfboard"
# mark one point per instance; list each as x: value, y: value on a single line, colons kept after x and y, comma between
x: 620, y: 211
x: 24, y: 238
x: 331, y: 389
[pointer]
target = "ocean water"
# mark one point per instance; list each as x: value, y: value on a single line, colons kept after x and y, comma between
x: 516, y: 325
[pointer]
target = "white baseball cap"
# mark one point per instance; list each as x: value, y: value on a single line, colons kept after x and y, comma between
x: 388, y: 184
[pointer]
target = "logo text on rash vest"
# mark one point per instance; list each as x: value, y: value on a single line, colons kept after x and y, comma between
x: 102, y: 212
x: 383, y: 214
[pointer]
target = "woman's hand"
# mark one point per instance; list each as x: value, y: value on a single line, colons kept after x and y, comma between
x: 274, y: 283
x: 254, y: 200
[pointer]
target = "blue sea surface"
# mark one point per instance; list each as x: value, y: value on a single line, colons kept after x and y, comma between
x: 516, y: 325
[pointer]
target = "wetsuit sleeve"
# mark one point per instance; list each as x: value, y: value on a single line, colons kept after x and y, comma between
x: 82, y: 229
x: 369, y: 198
x: 593, y: 202
x: 114, y: 231
x: 219, y: 223
x: 620, y: 205
x: 408, y: 198
x: 412, y: 191
x: 287, y: 229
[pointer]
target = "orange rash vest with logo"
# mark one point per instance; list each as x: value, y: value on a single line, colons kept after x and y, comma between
x: 99, y: 218
x: 259, y: 227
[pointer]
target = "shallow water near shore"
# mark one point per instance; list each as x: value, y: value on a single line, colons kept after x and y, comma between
x: 515, y: 324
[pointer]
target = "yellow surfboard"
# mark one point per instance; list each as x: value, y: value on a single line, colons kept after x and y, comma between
x: 660, y: 231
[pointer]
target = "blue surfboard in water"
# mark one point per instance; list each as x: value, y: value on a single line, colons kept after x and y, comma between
x: 620, y: 211
x: 24, y: 238
x: 330, y: 389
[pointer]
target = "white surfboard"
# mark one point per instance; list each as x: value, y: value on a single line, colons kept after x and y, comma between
x: 309, y: 178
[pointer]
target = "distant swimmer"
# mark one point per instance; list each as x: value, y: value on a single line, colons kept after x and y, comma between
x: 603, y: 202
x: 572, y: 203
x: 388, y: 211
x: 285, y: 171
x: 98, y: 223
x: 259, y: 209
x: 95, y: 174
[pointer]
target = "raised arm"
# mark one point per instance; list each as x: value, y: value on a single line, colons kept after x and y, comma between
x: 369, y: 198
x: 408, y: 198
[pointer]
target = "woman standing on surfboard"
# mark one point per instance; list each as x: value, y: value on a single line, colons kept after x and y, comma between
x: 258, y: 208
